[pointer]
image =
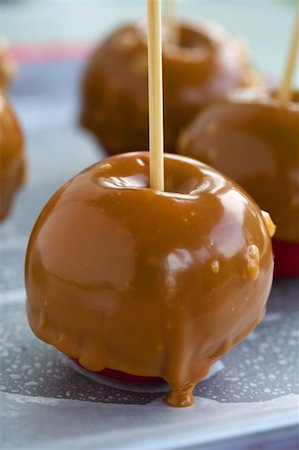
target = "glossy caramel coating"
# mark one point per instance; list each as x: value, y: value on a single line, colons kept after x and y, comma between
x: 12, y: 157
x: 149, y: 283
x: 208, y: 63
x: 253, y: 139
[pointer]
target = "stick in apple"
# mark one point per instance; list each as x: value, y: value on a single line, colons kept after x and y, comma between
x: 155, y: 92
x: 284, y: 93
x: 173, y: 32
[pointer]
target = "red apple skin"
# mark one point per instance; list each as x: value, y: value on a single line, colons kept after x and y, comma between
x: 253, y: 139
x: 286, y: 259
x: 150, y: 283
x: 126, y: 377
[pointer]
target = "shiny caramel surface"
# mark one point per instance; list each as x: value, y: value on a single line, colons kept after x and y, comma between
x: 209, y: 62
x: 252, y: 138
x: 12, y: 157
x: 150, y: 283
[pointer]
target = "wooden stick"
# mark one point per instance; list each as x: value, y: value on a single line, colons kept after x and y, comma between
x: 172, y: 27
x: 155, y: 92
x: 285, y: 90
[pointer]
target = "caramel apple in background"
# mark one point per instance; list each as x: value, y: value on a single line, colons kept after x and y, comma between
x: 12, y: 157
x: 205, y: 62
x: 255, y: 140
x: 7, y: 65
x: 253, y: 137
x: 148, y: 264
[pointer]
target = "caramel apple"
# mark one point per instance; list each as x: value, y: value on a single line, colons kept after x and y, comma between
x: 149, y: 265
x: 150, y: 283
x: 12, y: 157
x: 254, y: 139
x: 207, y: 63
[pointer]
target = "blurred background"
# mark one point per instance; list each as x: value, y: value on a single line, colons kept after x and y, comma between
x: 264, y: 23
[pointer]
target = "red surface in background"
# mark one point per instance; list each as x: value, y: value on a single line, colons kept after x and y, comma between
x: 35, y: 53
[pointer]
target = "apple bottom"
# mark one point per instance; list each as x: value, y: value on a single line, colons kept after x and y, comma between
x: 286, y: 262
x: 122, y: 376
